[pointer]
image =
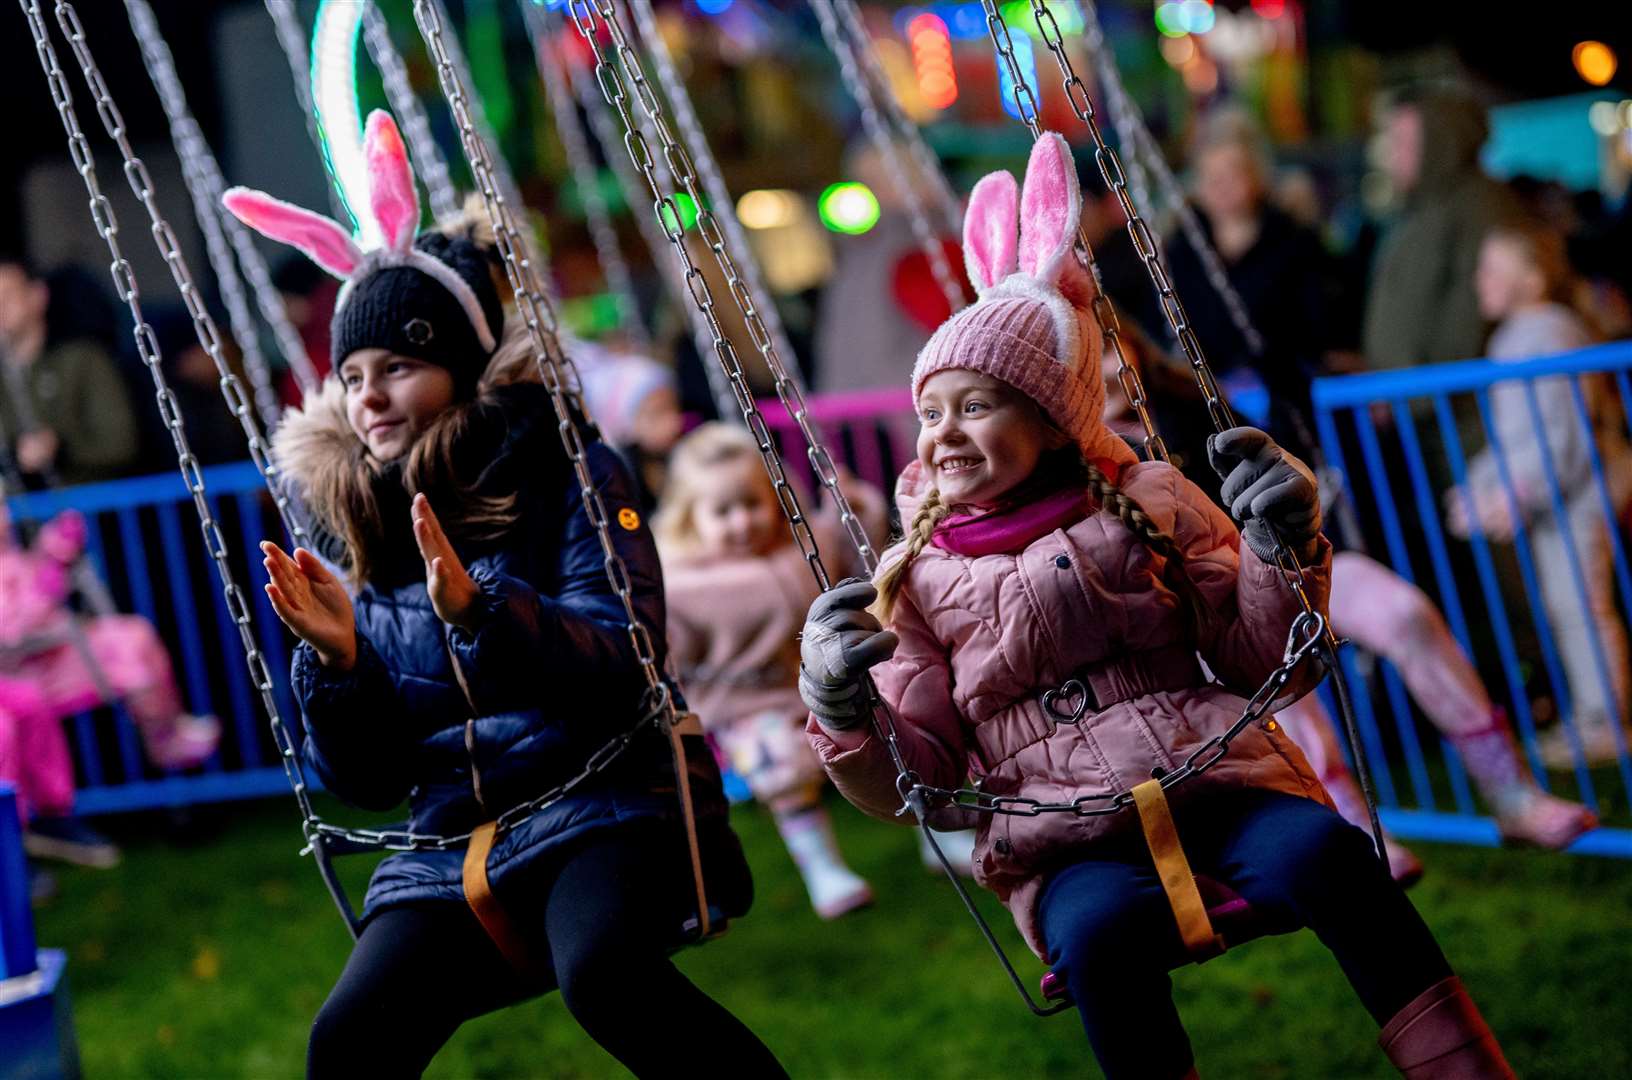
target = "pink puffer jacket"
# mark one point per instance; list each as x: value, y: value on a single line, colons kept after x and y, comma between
x: 983, y: 638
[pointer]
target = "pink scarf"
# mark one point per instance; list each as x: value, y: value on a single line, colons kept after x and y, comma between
x: 1009, y: 529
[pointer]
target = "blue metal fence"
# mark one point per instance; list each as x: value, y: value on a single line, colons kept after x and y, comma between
x: 1402, y: 439
x: 144, y: 541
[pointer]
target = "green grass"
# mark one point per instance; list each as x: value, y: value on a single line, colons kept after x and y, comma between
x: 208, y: 956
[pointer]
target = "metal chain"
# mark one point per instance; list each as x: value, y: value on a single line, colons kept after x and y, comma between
x: 759, y: 315
x: 195, y: 153
x: 555, y: 367
x: 929, y: 166
x: 1302, y: 642
x: 1025, y: 102
x: 584, y: 89
x: 292, y: 37
x: 429, y: 162
x: 124, y: 279
x: 186, y: 137
x: 569, y: 129
x: 1141, y: 145
x: 1110, y: 169
x: 890, y: 151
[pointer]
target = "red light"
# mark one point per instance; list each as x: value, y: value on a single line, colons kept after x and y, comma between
x: 1269, y: 9
x: 932, y: 60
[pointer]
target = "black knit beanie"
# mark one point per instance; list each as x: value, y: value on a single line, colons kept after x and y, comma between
x: 408, y: 312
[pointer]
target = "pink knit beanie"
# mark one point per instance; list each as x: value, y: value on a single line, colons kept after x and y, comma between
x: 1033, y: 325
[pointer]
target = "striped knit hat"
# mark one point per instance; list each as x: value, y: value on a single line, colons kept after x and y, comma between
x: 1033, y: 325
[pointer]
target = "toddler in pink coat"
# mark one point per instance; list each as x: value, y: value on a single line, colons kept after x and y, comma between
x: 737, y: 591
x: 55, y: 662
x: 1048, y: 615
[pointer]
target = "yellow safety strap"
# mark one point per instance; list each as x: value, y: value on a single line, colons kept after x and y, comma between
x: 1173, y: 869
x: 479, y: 895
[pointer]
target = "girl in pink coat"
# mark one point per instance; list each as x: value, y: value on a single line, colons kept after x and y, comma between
x: 1049, y: 614
x: 738, y: 590
x: 55, y: 662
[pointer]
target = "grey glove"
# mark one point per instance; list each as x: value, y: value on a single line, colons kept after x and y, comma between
x: 1266, y: 488
x: 840, y: 642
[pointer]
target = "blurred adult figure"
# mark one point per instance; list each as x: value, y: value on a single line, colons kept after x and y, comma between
x: 1277, y: 265
x: 64, y: 407
x: 1421, y: 306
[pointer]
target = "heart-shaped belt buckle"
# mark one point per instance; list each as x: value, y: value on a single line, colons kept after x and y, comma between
x: 1070, y: 690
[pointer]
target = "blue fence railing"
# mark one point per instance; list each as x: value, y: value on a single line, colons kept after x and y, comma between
x: 1534, y: 582
x: 143, y: 539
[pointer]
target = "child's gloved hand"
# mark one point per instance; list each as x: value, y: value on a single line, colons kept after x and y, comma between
x: 1266, y: 488
x: 453, y: 593
x: 313, y: 603
x: 840, y: 642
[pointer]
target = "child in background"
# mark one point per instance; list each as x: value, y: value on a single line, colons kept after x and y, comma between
x: 59, y: 662
x: 482, y: 661
x: 738, y: 589
x: 1524, y: 282
x: 1382, y: 612
x: 1045, y: 615
x: 636, y: 402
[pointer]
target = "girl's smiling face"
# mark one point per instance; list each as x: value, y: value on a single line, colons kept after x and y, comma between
x: 736, y: 515
x: 979, y: 438
x: 390, y: 399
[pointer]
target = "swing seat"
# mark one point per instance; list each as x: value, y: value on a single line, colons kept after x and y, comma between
x: 1233, y: 919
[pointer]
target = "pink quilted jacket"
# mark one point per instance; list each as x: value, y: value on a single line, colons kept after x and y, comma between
x: 983, y: 638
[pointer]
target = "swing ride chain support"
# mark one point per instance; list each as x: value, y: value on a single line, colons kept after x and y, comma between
x: 552, y: 75
x: 429, y: 162
x: 749, y: 296
x: 555, y: 367
x: 890, y: 150
x: 1136, y: 138
x: 1110, y: 169
x: 188, y: 141
x: 124, y: 279
x: 164, y: 238
x: 587, y: 96
x: 905, y: 129
x: 1303, y: 641
x: 1104, y: 313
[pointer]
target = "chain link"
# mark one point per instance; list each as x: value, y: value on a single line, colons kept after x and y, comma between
x: 1303, y: 641
x: 1139, y: 143
x: 890, y: 151
x: 569, y: 129
x: 1104, y: 313
x: 905, y: 130
x: 146, y: 342
x: 429, y: 162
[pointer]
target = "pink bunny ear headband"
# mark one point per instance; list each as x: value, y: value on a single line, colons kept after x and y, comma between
x: 430, y: 297
x: 1031, y: 326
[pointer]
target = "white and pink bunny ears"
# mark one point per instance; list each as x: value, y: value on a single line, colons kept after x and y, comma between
x: 393, y: 204
x: 1020, y: 242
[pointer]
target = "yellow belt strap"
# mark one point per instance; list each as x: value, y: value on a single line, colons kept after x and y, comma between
x: 1173, y: 869
x: 489, y: 912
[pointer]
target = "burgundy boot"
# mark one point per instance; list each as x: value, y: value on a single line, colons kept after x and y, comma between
x: 1441, y: 1036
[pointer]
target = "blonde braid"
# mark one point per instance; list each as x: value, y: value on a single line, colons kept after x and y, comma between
x: 918, y: 534
x: 1204, y: 619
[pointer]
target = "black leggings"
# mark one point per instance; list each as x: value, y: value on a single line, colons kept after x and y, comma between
x: 598, y: 927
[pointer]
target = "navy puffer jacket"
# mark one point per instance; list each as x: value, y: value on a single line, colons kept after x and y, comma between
x: 550, y: 669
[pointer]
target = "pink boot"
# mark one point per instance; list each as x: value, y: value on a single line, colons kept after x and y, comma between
x: 1441, y: 1036
x: 1524, y: 813
x: 834, y: 888
x: 182, y: 742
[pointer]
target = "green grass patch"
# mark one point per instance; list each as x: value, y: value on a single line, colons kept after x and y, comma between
x: 208, y: 952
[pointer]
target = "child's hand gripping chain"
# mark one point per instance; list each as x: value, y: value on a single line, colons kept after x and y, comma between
x: 841, y: 641
x: 1268, y: 490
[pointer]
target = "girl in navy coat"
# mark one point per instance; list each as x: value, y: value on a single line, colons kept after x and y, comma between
x: 476, y: 659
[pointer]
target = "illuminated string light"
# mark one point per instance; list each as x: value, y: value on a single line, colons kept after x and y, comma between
x: 713, y: 7
x: 849, y: 208
x: 932, y: 60
x: 769, y: 208
x: 1175, y: 18
x: 1595, y: 62
x: 339, y: 117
